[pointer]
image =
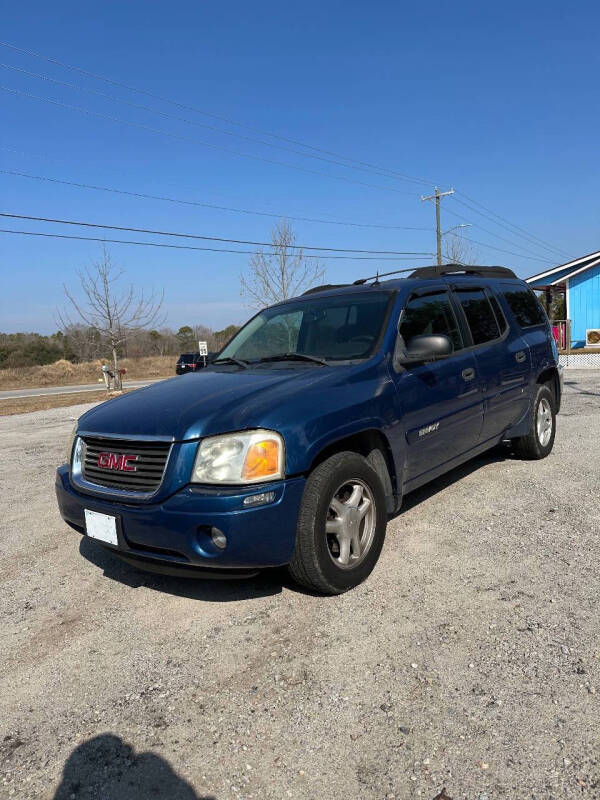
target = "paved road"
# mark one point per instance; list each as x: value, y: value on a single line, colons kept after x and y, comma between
x: 15, y: 394
x: 470, y: 659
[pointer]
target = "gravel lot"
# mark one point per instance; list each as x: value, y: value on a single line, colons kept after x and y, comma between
x: 470, y: 660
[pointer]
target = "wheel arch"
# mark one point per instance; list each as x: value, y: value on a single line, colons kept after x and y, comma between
x: 373, y: 445
x: 550, y: 376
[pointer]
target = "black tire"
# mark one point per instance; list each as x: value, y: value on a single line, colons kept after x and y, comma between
x: 530, y: 446
x: 313, y: 563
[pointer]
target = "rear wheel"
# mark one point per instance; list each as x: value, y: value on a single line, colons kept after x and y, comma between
x: 341, y: 525
x: 539, y: 440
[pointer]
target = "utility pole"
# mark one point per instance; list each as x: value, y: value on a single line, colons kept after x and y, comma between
x: 438, y: 222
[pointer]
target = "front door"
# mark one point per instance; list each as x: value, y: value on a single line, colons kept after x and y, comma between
x: 440, y: 402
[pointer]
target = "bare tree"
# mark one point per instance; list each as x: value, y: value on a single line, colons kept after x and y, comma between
x: 82, y: 343
x: 111, y: 312
x: 459, y: 251
x: 281, y: 273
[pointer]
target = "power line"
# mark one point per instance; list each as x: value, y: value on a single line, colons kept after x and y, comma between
x: 203, y: 249
x: 259, y: 244
x: 139, y: 106
x: 87, y: 224
x: 229, y: 121
x: 378, y: 169
x: 179, y: 137
x: 167, y: 199
x: 523, y: 232
x: 501, y: 250
x: 180, y: 201
x: 497, y: 235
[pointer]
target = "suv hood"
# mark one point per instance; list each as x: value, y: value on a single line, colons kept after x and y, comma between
x: 208, y: 402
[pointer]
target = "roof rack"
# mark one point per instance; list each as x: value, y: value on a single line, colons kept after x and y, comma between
x: 375, y: 278
x: 462, y: 269
x: 324, y: 287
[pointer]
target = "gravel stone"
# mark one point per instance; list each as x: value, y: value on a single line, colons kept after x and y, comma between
x: 115, y: 683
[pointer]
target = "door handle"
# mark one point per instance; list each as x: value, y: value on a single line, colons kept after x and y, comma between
x: 520, y: 356
x: 468, y: 374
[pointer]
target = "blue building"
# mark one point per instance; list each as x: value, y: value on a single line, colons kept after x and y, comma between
x: 579, y: 281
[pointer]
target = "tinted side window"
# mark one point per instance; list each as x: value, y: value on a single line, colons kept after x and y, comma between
x: 479, y: 314
x: 432, y: 313
x: 500, y: 319
x: 525, y: 306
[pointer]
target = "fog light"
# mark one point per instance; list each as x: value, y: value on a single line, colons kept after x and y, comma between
x: 259, y: 499
x: 218, y: 538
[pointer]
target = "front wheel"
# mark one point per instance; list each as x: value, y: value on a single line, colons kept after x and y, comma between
x: 539, y: 441
x: 341, y: 525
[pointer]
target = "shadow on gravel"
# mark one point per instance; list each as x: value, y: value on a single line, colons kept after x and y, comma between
x: 574, y: 384
x: 107, y: 767
x: 266, y: 583
x: 495, y: 456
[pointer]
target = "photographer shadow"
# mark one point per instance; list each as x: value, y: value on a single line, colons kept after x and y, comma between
x: 107, y: 767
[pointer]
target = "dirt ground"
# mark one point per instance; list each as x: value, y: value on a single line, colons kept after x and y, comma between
x: 469, y: 660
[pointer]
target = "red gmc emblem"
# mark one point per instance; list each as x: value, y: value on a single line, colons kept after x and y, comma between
x: 119, y: 461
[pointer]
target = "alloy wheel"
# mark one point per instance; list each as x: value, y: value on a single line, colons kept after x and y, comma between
x: 350, y: 524
x: 544, y: 422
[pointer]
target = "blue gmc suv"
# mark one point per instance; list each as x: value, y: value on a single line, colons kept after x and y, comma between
x: 302, y: 436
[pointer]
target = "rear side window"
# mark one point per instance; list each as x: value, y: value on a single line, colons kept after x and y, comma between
x: 525, y: 306
x: 480, y: 317
x: 431, y: 313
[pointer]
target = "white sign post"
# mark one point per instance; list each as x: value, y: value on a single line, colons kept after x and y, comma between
x: 203, y: 350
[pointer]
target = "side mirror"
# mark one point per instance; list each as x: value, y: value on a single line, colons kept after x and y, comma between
x: 427, y: 347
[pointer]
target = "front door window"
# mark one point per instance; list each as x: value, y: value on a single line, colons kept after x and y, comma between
x: 430, y: 313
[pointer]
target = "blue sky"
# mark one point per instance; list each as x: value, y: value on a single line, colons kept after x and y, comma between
x: 500, y: 102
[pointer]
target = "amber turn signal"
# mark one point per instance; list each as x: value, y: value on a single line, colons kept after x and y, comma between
x: 262, y: 460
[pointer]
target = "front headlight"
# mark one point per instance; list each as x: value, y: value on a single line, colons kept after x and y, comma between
x: 71, y: 443
x: 245, y: 457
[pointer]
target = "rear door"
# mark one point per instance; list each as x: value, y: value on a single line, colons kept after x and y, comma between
x: 502, y: 357
x: 440, y: 402
x: 533, y: 324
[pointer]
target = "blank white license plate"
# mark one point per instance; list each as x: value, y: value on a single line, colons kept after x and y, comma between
x: 101, y: 526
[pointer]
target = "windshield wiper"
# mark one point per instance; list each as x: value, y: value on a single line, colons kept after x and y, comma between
x: 229, y: 360
x: 293, y: 357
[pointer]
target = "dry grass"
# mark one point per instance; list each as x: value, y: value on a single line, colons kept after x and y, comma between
x: 23, y: 405
x: 63, y: 373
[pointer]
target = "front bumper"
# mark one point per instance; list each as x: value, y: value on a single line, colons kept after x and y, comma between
x: 177, y: 531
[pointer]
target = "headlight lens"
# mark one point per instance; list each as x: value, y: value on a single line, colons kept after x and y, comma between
x: 246, y: 457
x: 71, y: 443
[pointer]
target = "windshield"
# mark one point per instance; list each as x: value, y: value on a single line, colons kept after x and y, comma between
x: 340, y: 328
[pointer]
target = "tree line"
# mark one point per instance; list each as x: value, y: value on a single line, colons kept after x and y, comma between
x: 77, y: 343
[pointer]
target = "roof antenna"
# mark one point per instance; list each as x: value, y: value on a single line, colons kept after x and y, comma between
x: 376, y: 281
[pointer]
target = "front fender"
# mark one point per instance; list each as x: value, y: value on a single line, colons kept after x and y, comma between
x: 373, y: 407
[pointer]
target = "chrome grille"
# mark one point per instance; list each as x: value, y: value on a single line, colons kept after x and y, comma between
x: 150, y: 462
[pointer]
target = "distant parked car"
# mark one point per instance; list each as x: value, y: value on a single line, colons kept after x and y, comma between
x: 190, y: 362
